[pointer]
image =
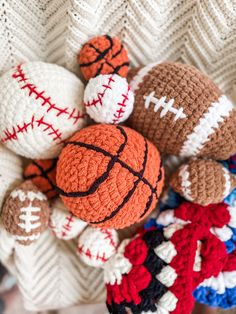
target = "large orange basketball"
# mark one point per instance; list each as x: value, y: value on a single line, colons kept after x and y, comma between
x: 109, y: 176
x: 103, y: 55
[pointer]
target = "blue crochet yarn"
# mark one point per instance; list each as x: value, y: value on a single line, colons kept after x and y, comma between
x: 170, y: 200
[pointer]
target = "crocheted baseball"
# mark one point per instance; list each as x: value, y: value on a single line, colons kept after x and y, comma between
x: 41, y: 106
x: 96, y: 246
x: 108, y: 99
x: 64, y: 224
x: 109, y: 176
x: 25, y: 213
x: 103, y: 55
x: 43, y: 174
x: 11, y: 169
x: 203, y: 181
x: 157, y: 272
x: 182, y: 111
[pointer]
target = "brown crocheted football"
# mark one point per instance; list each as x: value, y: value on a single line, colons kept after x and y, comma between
x: 182, y: 111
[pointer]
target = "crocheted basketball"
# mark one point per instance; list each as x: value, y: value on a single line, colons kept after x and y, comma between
x: 96, y: 246
x: 11, y: 169
x: 41, y: 106
x: 203, y: 181
x: 43, y: 174
x: 103, y: 55
x: 109, y: 176
x: 108, y: 99
x: 182, y: 111
x: 25, y: 213
x: 64, y: 224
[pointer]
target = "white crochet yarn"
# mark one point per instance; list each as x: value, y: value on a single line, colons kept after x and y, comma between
x: 64, y: 224
x: 108, y: 99
x: 40, y: 106
x: 96, y: 246
x: 11, y: 170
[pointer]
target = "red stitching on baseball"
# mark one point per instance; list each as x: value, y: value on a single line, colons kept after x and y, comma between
x: 107, y: 86
x: 88, y: 253
x: 67, y: 227
x: 109, y: 237
x: 13, y: 134
x: 120, y: 112
x: 20, y: 76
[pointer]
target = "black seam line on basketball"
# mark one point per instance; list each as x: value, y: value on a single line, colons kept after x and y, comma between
x: 101, y: 55
x: 43, y: 171
x: 118, y: 52
x: 130, y: 193
x: 122, y: 163
x: 93, y: 188
x: 44, y: 174
x: 118, y: 67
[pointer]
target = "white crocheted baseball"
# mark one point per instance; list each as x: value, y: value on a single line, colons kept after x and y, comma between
x: 64, y: 224
x: 11, y: 170
x: 108, y: 99
x: 40, y: 106
x: 96, y: 246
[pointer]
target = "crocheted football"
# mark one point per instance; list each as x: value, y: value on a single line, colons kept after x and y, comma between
x: 182, y: 111
x: 103, y: 55
x: 108, y: 99
x: 43, y: 174
x: 41, y: 106
x: 96, y: 246
x: 157, y: 272
x: 109, y: 176
x: 25, y: 213
x: 11, y: 169
x: 64, y: 224
x: 203, y: 181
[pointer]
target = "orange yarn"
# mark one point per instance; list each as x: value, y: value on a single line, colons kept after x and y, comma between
x: 109, y: 176
x: 43, y: 174
x: 103, y: 55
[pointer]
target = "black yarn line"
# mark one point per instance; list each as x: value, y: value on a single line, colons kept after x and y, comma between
x: 118, y: 52
x: 101, y: 54
x: 130, y: 193
x: 103, y: 177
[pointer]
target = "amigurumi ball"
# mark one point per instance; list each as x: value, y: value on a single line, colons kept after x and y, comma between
x: 109, y: 176
x: 41, y: 105
x: 108, y: 99
x: 103, y: 55
x: 43, y: 174
x: 182, y: 111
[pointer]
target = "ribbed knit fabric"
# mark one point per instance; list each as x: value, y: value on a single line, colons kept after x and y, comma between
x: 196, y: 32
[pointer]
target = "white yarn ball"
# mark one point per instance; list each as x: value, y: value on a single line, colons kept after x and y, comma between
x: 40, y: 106
x: 108, y: 99
x: 64, y: 224
x: 96, y: 246
x: 11, y: 172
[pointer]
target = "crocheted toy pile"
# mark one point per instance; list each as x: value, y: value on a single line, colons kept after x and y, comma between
x: 83, y: 182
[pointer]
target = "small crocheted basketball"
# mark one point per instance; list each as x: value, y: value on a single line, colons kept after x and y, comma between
x: 103, y: 55
x: 108, y: 99
x: 203, y: 181
x: 25, y: 213
x: 109, y: 176
x: 182, y: 111
x: 43, y: 174
x: 41, y: 106
x: 11, y: 170
x: 64, y: 224
x: 96, y: 246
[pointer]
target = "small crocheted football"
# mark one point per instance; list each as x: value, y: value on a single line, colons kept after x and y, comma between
x: 96, y: 246
x: 64, y: 224
x: 41, y: 105
x: 43, y: 174
x: 182, y: 111
x: 108, y: 99
x: 203, y: 181
x: 156, y: 272
x: 103, y: 55
x: 109, y: 176
x: 25, y: 213
x: 11, y: 170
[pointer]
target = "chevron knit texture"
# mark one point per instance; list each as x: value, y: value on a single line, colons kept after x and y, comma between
x: 196, y: 32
